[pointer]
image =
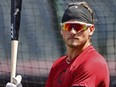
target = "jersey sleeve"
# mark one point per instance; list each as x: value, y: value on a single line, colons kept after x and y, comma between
x: 49, y: 80
x: 91, y: 74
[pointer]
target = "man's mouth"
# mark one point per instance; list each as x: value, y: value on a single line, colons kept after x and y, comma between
x: 72, y: 38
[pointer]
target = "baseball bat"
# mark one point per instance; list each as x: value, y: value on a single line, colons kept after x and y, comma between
x: 16, y: 6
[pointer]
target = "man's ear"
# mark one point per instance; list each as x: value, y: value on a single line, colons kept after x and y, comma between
x: 91, y: 30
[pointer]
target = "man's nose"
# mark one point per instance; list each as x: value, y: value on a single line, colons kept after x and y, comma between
x: 73, y: 31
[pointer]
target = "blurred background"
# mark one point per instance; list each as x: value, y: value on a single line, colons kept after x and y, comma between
x: 40, y: 42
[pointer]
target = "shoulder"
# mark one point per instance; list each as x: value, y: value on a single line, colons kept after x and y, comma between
x: 95, y: 60
x: 92, y: 56
x: 59, y: 61
x: 56, y: 65
x: 91, y: 61
x: 97, y: 65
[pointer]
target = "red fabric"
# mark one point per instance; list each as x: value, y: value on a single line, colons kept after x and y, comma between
x: 89, y: 69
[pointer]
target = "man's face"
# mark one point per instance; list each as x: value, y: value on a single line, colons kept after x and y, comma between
x: 76, y: 34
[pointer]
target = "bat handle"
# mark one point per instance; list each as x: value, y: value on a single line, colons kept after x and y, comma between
x: 14, y: 49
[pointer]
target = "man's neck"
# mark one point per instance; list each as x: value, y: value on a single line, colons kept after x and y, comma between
x: 74, y: 52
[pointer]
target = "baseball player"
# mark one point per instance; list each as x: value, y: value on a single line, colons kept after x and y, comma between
x: 82, y: 66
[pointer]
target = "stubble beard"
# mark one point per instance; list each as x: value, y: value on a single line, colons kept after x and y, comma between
x: 72, y: 44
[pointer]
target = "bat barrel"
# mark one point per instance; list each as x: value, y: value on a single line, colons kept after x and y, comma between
x: 16, y: 6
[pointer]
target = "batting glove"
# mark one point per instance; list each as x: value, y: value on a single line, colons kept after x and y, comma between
x: 16, y: 82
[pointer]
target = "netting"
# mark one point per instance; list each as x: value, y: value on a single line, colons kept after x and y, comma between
x: 40, y: 42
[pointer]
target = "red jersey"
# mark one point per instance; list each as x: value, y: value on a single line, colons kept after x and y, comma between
x: 89, y: 69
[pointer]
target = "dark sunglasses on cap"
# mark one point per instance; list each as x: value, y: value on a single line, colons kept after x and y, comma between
x: 77, y: 26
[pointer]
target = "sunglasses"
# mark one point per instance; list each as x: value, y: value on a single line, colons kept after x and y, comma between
x: 77, y: 26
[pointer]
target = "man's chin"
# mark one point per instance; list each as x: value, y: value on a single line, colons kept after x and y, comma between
x: 73, y: 45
